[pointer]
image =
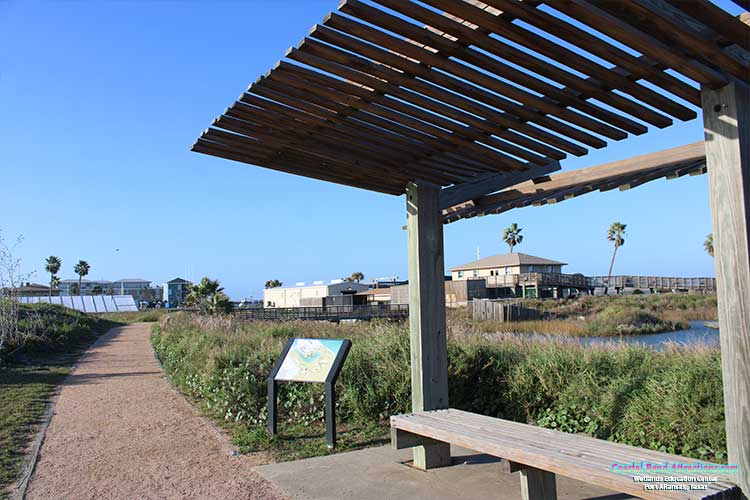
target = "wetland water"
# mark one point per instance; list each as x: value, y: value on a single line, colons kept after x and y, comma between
x: 697, y: 333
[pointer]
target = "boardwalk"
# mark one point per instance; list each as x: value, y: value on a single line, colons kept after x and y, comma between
x: 121, y: 432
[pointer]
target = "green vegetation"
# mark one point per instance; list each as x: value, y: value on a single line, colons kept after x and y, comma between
x: 273, y: 283
x: 52, y: 265
x: 512, y: 236
x: 708, y: 244
x: 25, y: 392
x: 209, y: 297
x: 49, y: 330
x: 81, y: 269
x: 669, y: 400
x: 143, y: 316
x: 355, y: 277
x: 615, y: 234
x: 605, y: 316
x: 49, y: 340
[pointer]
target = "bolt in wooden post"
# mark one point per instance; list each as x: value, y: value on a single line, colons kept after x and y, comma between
x: 726, y: 119
x: 429, y: 351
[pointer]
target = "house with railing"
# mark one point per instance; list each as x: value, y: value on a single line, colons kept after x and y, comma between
x: 522, y: 275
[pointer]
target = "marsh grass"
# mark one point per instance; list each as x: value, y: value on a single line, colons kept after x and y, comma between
x: 600, y: 316
x: 669, y: 400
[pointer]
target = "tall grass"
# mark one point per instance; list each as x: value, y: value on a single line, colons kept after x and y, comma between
x: 49, y: 329
x: 669, y: 400
x: 600, y: 316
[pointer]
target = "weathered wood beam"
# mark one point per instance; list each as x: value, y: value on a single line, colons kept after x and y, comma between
x: 591, y: 14
x: 386, y: 112
x: 401, y: 439
x: 553, y: 50
x: 686, y: 158
x: 533, y: 108
x: 726, y: 118
x: 448, y: 48
x: 427, y: 326
x: 431, y: 83
x: 642, y: 163
x: 489, y: 183
x: 537, y: 484
x: 673, y: 25
x: 429, y: 96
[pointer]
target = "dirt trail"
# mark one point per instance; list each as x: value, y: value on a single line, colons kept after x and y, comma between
x: 120, y: 431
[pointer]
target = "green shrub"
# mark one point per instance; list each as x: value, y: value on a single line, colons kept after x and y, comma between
x: 663, y: 400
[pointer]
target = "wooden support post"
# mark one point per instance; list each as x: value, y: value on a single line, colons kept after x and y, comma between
x: 538, y: 485
x: 429, y: 350
x: 726, y: 118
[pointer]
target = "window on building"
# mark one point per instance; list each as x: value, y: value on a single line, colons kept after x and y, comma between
x: 492, y: 272
x: 475, y: 273
x: 508, y: 270
x: 460, y: 274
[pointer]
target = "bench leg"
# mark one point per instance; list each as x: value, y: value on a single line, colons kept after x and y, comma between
x: 538, y: 485
x: 432, y: 456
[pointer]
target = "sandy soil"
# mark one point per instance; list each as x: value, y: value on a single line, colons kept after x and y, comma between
x: 121, y: 432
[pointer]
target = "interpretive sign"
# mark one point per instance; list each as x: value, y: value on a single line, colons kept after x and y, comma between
x: 309, y: 360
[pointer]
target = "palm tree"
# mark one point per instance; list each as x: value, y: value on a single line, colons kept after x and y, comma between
x: 209, y: 296
x: 52, y: 267
x: 355, y: 277
x: 273, y: 283
x: 709, y: 244
x: 512, y: 236
x: 81, y: 269
x: 615, y: 234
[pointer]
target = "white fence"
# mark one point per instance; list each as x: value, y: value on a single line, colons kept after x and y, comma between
x: 87, y: 303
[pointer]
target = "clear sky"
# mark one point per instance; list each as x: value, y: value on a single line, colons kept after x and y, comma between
x: 101, y: 101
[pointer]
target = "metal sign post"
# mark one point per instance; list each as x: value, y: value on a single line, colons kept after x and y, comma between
x: 326, y: 367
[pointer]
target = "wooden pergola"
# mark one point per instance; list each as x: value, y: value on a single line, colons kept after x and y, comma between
x: 468, y: 107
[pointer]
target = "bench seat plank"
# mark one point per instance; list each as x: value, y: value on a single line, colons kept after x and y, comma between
x: 579, y: 457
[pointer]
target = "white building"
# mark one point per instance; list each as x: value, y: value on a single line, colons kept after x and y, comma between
x: 311, y: 294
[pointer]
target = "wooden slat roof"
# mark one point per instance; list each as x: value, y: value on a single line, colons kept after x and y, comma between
x: 625, y: 174
x: 385, y: 92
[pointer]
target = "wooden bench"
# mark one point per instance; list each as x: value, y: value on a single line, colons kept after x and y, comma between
x: 540, y: 453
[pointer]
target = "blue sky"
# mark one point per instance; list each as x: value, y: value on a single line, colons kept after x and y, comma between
x: 100, y: 103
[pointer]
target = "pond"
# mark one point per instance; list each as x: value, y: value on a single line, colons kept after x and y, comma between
x: 697, y: 333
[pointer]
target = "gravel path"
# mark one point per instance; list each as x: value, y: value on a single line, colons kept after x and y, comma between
x: 120, y: 431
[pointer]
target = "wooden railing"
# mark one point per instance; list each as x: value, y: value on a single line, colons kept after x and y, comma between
x: 546, y: 279
x: 327, y: 313
x: 581, y: 281
x: 655, y: 282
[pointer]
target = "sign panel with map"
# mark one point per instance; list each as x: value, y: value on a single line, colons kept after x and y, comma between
x: 309, y: 360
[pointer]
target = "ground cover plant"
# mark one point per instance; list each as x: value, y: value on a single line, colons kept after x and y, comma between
x: 53, y: 337
x: 605, y: 316
x: 669, y: 400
